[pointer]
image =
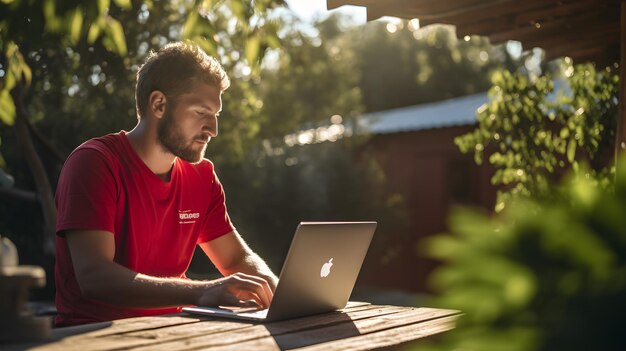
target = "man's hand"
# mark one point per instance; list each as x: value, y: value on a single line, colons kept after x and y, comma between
x: 238, y: 289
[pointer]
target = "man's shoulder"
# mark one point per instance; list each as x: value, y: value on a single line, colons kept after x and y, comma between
x: 106, y: 143
x: 101, y: 152
x: 109, y: 146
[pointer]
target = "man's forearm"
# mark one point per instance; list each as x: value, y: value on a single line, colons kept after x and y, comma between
x: 254, y: 265
x: 118, y: 285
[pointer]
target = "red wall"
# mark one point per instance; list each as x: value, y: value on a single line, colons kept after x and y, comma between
x: 431, y: 174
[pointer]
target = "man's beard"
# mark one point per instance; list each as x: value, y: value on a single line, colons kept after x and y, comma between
x: 170, y: 137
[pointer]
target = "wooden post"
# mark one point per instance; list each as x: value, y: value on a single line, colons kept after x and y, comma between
x: 620, y: 142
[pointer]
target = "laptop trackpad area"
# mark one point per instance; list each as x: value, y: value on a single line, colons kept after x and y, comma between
x: 245, y: 312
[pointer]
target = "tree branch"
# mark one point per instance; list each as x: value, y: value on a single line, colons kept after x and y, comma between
x: 45, y: 142
x: 42, y: 183
x: 19, y: 194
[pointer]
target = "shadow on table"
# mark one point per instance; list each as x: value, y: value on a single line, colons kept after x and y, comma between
x: 289, y: 335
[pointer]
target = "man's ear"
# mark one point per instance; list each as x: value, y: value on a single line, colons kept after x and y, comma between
x: 156, y: 103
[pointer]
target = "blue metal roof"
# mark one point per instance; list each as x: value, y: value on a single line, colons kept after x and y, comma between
x: 446, y: 113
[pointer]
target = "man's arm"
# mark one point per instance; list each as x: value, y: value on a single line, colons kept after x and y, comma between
x: 230, y: 254
x: 100, y: 278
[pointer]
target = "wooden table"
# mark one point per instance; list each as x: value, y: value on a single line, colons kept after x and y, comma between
x: 360, y: 326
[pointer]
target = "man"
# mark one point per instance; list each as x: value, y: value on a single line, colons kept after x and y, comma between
x: 133, y: 205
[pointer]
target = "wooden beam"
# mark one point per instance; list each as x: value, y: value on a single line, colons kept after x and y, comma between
x: 484, y: 27
x: 579, y: 54
x: 555, y: 27
x: 456, y: 13
x: 487, y: 11
x: 599, y: 40
x: 609, y: 29
x: 620, y: 142
x: 556, y: 11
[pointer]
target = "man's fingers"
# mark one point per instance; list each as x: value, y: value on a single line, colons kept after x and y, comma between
x: 266, y: 287
x: 256, y: 285
x: 231, y: 300
x: 238, y: 290
x: 247, y: 295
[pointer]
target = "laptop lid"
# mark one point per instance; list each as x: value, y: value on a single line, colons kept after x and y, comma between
x: 321, y: 268
x: 318, y: 274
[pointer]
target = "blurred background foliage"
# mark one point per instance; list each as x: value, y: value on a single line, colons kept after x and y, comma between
x: 545, y: 274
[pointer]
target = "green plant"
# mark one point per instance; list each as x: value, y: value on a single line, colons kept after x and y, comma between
x: 546, y: 274
x: 532, y: 131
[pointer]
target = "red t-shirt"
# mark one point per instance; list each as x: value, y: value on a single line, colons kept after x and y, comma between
x: 104, y: 185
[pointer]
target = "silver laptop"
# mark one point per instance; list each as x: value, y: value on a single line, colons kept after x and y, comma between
x: 318, y: 275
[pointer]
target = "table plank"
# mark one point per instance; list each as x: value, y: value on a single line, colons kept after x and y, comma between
x: 389, y: 337
x: 126, y: 325
x: 256, y: 331
x: 74, y: 335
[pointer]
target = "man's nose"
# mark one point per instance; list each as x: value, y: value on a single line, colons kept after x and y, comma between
x: 211, y: 127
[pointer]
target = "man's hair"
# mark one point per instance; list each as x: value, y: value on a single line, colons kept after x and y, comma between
x: 173, y: 68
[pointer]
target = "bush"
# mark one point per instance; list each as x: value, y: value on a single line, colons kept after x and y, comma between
x: 534, y: 129
x: 544, y: 274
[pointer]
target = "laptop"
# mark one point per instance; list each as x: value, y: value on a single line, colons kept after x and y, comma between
x: 318, y: 274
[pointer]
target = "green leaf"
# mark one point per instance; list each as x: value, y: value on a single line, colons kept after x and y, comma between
x: 253, y: 45
x: 9, y: 80
x: 571, y: 150
x: 76, y: 24
x: 7, y: 108
x: 116, y: 33
x: 273, y: 41
x: 124, y: 4
x: 190, y: 24
x: 94, y: 32
x: 103, y: 6
x: 49, y: 11
x: 238, y: 10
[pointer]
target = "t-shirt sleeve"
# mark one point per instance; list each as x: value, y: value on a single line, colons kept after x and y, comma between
x: 86, y: 193
x: 217, y: 222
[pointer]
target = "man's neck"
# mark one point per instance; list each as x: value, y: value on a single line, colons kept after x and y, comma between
x: 143, y: 139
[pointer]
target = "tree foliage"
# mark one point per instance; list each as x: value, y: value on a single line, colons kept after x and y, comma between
x: 534, y: 129
x: 313, y: 80
x: 411, y: 66
x: 231, y: 29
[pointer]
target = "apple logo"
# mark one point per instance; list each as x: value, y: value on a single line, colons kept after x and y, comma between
x: 326, y: 268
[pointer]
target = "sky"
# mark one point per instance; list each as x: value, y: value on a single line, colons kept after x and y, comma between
x: 310, y: 10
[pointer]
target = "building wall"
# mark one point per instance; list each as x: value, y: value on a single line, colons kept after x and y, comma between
x: 432, y: 175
